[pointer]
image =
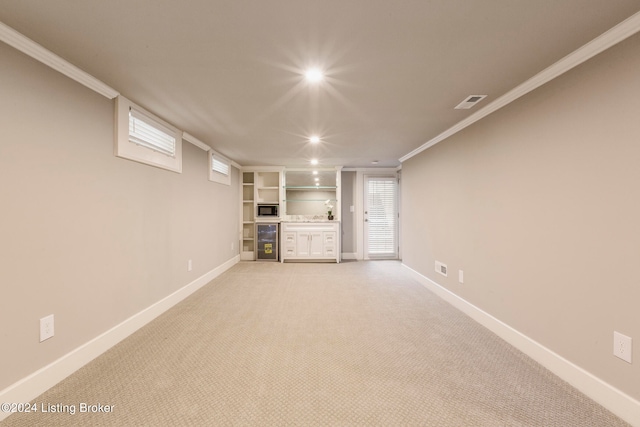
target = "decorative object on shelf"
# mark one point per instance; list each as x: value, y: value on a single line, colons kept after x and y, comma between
x: 329, y: 209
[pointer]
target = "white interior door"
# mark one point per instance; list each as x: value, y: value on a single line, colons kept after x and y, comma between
x: 380, y: 217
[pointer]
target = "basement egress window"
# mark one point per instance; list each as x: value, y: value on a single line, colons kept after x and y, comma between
x: 219, y: 168
x: 143, y: 137
x: 145, y: 132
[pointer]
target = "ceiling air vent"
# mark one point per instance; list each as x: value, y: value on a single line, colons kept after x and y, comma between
x: 470, y: 101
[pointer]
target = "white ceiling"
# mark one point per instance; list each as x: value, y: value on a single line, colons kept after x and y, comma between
x: 230, y: 72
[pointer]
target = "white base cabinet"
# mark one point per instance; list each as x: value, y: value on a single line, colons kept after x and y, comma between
x: 310, y: 241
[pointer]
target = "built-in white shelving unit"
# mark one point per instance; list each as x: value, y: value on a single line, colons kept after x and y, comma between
x: 259, y: 185
x: 304, y: 198
x: 247, y: 248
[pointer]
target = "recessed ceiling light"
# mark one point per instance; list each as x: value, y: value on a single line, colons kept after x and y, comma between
x: 317, y: 179
x: 314, y: 139
x: 314, y: 161
x: 313, y: 75
x: 375, y: 162
x: 315, y: 172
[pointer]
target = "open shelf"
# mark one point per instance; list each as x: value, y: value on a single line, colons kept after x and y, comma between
x: 258, y: 187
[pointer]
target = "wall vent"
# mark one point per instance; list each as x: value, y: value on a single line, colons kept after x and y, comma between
x: 441, y: 268
x: 470, y: 101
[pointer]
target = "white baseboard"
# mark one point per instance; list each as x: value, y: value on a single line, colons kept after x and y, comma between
x: 349, y: 255
x: 43, y: 379
x: 621, y: 404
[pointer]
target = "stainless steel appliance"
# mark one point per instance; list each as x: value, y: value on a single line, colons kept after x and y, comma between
x: 267, y: 241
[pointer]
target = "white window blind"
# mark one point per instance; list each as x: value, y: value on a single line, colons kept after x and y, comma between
x: 382, y: 217
x: 219, y: 168
x: 219, y: 165
x: 143, y: 137
x: 147, y: 132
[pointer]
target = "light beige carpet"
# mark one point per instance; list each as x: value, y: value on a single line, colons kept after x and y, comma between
x: 352, y: 344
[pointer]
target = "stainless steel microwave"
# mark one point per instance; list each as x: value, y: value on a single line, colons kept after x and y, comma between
x: 267, y: 210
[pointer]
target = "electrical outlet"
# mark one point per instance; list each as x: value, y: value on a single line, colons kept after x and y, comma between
x: 622, y: 346
x: 233, y: 246
x: 46, y: 327
x: 189, y: 265
x: 460, y: 276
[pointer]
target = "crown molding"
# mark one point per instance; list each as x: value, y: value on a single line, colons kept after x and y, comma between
x: 380, y: 170
x: 27, y: 46
x: 36, y: 51
x: 268, y: 168
x: 201, y: 145
x: 195, y: 141
x: 623, y: 30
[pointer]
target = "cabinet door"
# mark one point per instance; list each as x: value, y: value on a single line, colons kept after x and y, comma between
x: 302, y: 243
x: 289, y: 244
x: 316, y: 244
x: 329, y: 243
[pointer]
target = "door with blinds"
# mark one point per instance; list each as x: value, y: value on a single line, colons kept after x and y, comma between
x: 381, y: 217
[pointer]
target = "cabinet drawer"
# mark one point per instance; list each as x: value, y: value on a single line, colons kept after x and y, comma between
x: 329, y: 240
x: 329, y: 237
x: 313, y: 241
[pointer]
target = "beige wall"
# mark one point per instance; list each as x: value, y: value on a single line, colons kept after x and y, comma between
x: 86, y: 236
x: 539, y: 204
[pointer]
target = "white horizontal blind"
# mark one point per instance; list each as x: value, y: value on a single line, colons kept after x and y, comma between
x: 382, y: 217
x: 219, y: 165
x: 147, y: 132
x: 219, y: 168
